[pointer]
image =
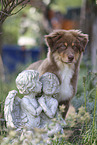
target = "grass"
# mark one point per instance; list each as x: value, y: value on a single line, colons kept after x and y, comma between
x: 88, y: 99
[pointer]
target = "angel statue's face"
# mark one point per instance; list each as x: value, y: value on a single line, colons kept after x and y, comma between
x: 50, y: 83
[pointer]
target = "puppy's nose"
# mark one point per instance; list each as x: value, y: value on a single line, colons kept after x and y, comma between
x: 70, y: 57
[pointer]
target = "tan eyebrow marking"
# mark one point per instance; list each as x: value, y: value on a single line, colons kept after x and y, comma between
x: 65, y: 44
x: 73, y: 44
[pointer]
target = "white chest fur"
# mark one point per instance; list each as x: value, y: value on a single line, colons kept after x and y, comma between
x: 66, y: 89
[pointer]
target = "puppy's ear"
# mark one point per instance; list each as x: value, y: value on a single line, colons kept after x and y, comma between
x: 52, y: 39
x: 49, y: 41
x: 83, y: 40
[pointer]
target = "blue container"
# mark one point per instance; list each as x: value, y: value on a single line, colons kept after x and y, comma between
x: 13, y: 55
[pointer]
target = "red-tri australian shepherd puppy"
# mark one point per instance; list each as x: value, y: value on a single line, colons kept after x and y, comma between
x: 65, y: 50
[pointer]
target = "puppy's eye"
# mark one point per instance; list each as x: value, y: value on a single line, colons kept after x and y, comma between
x: 63, y: 47
x: 65, y: 44
x: 73, y: 44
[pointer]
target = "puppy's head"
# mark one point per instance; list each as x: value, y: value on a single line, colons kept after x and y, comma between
x: 66, y: 45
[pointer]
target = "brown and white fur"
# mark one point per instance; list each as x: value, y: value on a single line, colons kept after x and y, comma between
x: 65, y: 50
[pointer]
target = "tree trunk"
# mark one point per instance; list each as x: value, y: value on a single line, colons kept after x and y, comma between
x: 83, y: 15
x: 2, y: 76
x: 94, y: 46
x: 88, y: 24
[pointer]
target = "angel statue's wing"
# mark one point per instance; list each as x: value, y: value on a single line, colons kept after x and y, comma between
x: 12, y: 111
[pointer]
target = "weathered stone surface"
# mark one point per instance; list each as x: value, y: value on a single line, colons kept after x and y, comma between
x: 35, y: 110
x: 12, y: 109
x: 28, y: 82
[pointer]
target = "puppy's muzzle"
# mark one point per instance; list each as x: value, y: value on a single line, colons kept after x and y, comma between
x: 70, y: 58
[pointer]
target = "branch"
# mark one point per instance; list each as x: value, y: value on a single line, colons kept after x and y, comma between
x: 7, y: 6
x: 12, y: 4
x: 18, y: 10
x: 4, y: 13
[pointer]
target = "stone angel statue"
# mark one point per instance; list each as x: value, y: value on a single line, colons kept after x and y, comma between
x: 24, y: 112
x: 38, y: 106
x: 49, y: 105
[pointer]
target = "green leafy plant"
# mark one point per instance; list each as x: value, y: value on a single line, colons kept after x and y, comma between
x: 88, y: 99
